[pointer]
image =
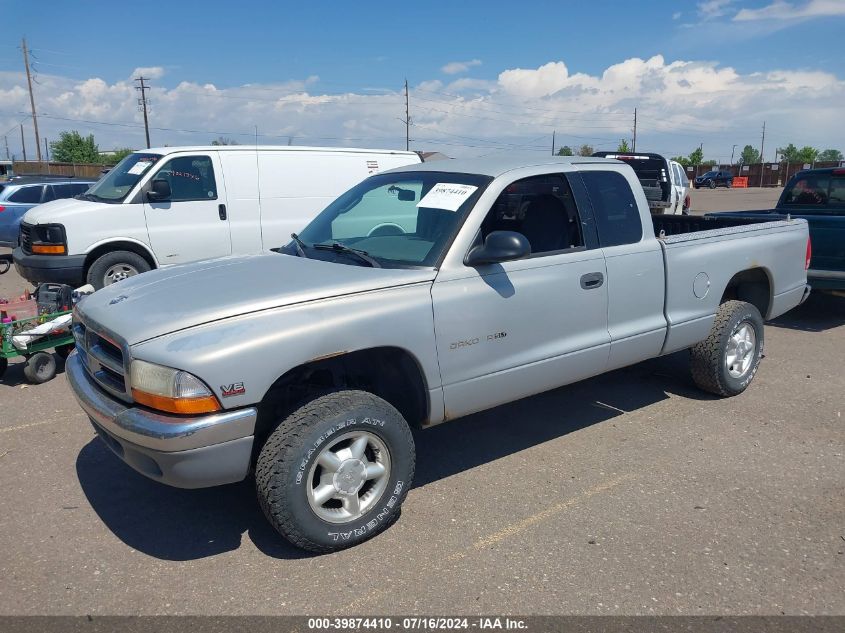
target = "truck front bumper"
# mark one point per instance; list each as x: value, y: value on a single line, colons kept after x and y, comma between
x: 180, y: 451
x: 62, y: 269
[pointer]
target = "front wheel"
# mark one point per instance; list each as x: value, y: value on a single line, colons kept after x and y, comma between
x: 115, y: 266
x: 336, y: 470
x: 712, y: 184
x: 727, y: 360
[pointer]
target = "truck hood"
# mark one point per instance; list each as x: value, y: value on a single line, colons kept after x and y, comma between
x: 164, y: 301
x: 56, y: 211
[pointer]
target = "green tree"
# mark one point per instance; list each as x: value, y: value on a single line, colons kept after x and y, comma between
x: 683, y: 160
x: 72, y: 147
x: 829, y: 155
x: 565, y: 151
x: 789, y: 154
x: 586, y: 150
x: 623, y: 146
x: 807, y: 154
x: 749, y: 156
x: 224, y: 140
x: 115, y: 157
x: 696, y: 156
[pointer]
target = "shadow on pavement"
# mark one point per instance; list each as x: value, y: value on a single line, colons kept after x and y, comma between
x: 174, y: 524
x: 822, y: 311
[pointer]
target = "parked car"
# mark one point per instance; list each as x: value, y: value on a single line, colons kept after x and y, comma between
x: 818, y: 196
x: 497, y: 279
x: 664, y: 186
x: 174, y: 205
x: 22, y: 193
x: 713, y: 179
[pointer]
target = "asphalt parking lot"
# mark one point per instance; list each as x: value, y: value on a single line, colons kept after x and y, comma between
x: 630, y: 493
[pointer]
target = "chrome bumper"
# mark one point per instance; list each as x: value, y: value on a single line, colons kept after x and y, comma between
x: 807, y: 289
x: 157, y: 431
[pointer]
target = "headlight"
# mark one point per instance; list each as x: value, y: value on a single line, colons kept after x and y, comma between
x: 168, y: 389
x: 49, y: 239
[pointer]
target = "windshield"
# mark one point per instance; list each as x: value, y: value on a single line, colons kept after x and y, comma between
x: 709, y: 174
x: 116, y: 185
x: 400, y: 220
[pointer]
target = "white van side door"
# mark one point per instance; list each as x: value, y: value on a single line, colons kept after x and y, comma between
x: 194, y: 223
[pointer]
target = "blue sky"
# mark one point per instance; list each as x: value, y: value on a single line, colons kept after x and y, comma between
x: 365, y: 50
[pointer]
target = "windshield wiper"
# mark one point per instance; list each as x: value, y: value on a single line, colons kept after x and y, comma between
x: 300, y: 245
x: 343, y: 248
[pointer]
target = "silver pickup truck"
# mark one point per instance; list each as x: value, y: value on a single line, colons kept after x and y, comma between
x: 419, y: 296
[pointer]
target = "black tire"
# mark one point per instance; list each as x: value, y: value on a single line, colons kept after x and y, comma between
x: 4, y: 364
x: 711, y: 184
x: 708, y: 359
x: 98, y: 271
x: 729, y: 184
x: 40, y: 367
x: 63, y: 351
x: 288, y: 463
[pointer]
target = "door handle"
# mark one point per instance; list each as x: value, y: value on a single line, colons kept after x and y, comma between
x: 221, y: 211
x: 590, y: 281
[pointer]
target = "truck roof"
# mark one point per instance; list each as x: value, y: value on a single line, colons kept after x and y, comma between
x: 286, y: 148
x: 497, y: 165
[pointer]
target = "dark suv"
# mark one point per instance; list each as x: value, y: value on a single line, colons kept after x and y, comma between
x: 713, y: 179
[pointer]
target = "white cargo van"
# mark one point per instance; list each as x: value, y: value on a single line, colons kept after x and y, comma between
x: 173, y: 205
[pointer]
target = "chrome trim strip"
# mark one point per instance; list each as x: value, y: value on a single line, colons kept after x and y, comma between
x: 93, y: 329
x: 159, y: 431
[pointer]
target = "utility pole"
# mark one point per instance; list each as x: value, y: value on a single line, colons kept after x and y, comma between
x: 733, y: 149
x: 762, y: 145
x: 553, y: 142
x: 6, y: 142
x: 31, y: 98
x: 142, y: 105
x: 407, y: 119
x: 46, y: 150
x: 23, y: 144
x: 634, y: 143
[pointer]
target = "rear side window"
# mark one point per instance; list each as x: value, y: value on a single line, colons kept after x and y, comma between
x: 837, y: 190
x: 808, y: 189
x: 27, y: 195
x: 68, y: 190
x: 614, y: 208
x: 190, y: 177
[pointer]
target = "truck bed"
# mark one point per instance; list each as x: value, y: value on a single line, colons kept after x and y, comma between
x: 676, y: 225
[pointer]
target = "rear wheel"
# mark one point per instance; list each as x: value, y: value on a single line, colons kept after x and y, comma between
x: 335, y: 471
x: 729, y: 184
x: 40, y: 367
x: 726, y: 362
x: 115, y: 266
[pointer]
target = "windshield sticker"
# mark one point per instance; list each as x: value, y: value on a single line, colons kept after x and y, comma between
x: 139, y: 168
x: 447, y: 196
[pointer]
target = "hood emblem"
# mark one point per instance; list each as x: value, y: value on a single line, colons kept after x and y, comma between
x: 118, y: 299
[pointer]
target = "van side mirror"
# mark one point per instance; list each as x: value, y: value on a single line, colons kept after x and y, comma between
x: 159, y: 190
x: 500, y: 246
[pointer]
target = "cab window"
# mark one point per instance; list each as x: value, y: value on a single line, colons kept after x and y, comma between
x: 542, y: 209
x: 190, y: 178
x: 809, y: 189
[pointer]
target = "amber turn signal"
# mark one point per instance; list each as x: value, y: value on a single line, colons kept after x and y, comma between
x: 204, y: 404
x: 48, y: 249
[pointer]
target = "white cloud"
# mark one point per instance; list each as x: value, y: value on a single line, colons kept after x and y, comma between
x: 710, y: 9
x: 680, y: 104
x: 676, y: 15
x: 453, y: 68
x: 149, y: 72
x: 781, y: 10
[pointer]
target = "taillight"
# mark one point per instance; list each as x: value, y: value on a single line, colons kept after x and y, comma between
x: 2, y: 208
x: 809, y: 255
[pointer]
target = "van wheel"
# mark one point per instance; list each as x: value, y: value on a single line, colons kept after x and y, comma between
x: 40, y: 367
x: 727, y: 360
x: 115, y: 266
x: 335, y: 471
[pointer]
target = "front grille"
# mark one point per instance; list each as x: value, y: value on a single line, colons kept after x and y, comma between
x: 103, y: 358
x: 26, y: 238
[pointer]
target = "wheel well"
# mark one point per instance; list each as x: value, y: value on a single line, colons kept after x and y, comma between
x: 752, y: 285
x: 390, y: 373
x: 102, y: 249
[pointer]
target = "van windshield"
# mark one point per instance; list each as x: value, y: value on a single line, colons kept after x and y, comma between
x: 116, y: 185
x: 399, y: 220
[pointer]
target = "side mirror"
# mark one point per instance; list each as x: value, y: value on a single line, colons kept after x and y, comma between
x: 159, y: 191
x: 500, y: 246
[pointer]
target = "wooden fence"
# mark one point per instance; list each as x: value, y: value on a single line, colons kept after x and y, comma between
x: 80, y: 170
x: 762, y: 174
